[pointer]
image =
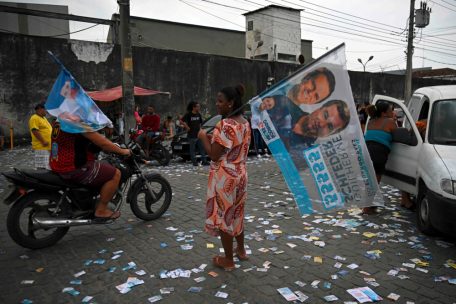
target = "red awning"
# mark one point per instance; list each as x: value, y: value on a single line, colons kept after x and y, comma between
x: 116, y: 93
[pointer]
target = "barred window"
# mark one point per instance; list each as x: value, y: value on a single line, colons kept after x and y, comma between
x: 250, y: 25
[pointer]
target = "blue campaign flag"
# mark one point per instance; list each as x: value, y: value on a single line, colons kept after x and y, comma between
x: 74, y: 109
x: 310, y: 124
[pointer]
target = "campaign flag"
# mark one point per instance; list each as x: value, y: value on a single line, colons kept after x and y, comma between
x: 310, y: 124
x: 74, y: 109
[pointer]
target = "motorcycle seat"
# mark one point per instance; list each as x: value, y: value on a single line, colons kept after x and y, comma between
x: 48, y: 177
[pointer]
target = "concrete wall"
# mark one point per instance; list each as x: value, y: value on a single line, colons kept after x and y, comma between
x: 27, y: 74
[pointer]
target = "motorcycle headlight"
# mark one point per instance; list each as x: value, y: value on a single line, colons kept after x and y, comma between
x: 448, y: 185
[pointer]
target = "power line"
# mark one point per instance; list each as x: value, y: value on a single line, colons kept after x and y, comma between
x: 438, y: 35
x: 332, y: 15
x: 442, y: 6
x: 350, y: 33
x: 446, y: 63
x: 448, y: 3
x: 323, y: 27
x: 243, y: 27
x: 330, y: 9
x: 211, y: 14
x: 84, y: 29
x: 377, y: 51
x: 344, y: 27
x: 241, y: 9
x: 52, y: 36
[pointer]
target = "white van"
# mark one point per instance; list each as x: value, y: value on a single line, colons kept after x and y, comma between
x: 425, y: 165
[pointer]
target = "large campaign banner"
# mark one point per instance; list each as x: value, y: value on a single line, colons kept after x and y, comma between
x: 310, y: 123
x: 73, y: 108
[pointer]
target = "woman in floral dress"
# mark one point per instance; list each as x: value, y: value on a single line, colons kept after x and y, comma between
x: 227, y: 186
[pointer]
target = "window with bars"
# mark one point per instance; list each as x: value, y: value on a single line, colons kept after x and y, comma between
x: 250, y: 25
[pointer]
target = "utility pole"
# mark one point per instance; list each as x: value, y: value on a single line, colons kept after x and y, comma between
x: 408, y: 70
x: 128, y: 100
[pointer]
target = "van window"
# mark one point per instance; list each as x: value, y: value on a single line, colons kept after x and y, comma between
x: 406, y: 123
x: 424, y: 109
x: 415, y: 100
x: 442, y: 126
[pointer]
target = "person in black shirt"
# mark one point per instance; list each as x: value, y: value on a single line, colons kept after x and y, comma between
x: 192, y: 123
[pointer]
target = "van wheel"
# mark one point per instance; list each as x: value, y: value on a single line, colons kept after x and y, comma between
x: 423, y: 217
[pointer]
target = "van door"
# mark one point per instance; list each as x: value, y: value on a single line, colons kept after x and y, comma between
x: 401, y: 168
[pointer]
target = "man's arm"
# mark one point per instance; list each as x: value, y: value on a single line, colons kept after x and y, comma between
x: 105, y: 144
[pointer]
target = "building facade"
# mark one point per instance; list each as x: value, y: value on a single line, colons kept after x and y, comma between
x: 274, y: 34
x: 33, y: 25
x: 277, y: 29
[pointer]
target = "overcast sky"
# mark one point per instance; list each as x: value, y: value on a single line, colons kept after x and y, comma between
x: 377, y: 27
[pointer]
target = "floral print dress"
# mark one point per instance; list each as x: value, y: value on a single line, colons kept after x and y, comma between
x: 227, y: 185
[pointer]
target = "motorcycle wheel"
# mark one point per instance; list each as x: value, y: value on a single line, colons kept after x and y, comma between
x: 143, y: 205
x: 161, y: 154
x: 20, y: 221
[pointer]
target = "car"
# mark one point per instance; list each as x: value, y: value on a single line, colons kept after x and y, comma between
x: 180, y: 146
x: 425, y: 164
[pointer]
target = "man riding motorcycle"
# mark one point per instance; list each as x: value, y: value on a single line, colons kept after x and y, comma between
x: 73, y: 158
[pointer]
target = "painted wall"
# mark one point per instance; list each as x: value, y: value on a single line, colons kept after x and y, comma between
x: 27, y: 74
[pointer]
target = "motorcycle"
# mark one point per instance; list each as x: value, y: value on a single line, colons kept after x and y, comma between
x: 44, y: 206
x: 156, y: 149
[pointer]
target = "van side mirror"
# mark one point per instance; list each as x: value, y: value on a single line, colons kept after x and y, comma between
x: 404, y: 136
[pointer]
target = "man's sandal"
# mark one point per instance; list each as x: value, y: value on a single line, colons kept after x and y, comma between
x: 101, y: 219
x: 222, y: 262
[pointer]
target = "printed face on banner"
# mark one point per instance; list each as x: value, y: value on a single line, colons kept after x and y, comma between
x: 311, y: 126
x: 74, y: 109
x: 314, y: 87
x: 327, y: 120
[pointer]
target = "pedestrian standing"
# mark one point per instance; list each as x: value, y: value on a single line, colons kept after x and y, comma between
x: 169, y: 128
x: 137, y: 115
x: 227, y: 185
x: 120, y: 123
x: 362, y: 114
x: 192, y: 121
x: 257, y: 140
x: 40, y: 130
x: 379, y: 138
x: 179, y: 124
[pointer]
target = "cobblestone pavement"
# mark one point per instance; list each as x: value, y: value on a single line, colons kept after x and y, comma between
x: 325, y: 260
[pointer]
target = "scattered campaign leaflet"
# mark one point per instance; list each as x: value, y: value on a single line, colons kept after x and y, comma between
x: 364, y: 295
x: 287, y: 294
x: 73, y: 108
x: 310, y: 124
